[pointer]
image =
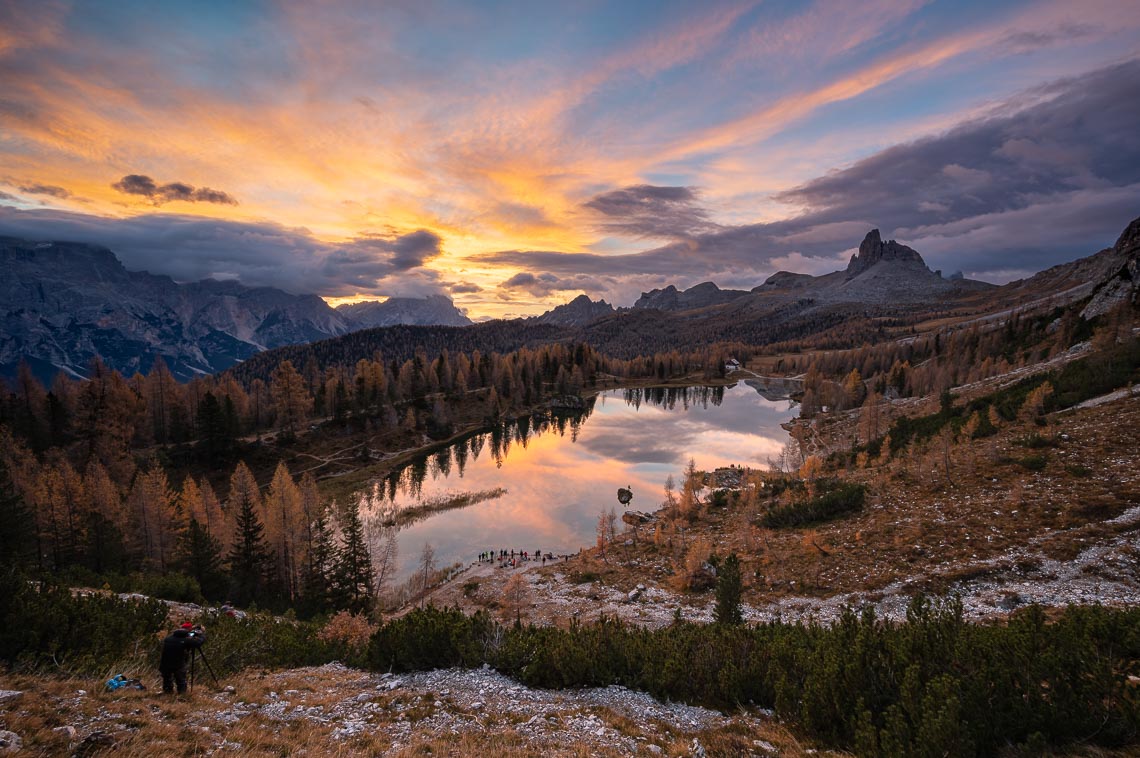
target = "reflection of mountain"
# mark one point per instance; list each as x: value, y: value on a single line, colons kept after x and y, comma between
x: 774, y: 388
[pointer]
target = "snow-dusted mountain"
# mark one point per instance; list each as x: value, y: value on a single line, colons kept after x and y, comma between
x: 63, y: 303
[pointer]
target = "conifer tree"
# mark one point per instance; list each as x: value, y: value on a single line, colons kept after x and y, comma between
x: 200, y: 556
x: 16, y: 534
x: 728, y: 591
x: 319, y: 569
x: 353, y: 573
x: 291, y: 399
x: 249, y: 557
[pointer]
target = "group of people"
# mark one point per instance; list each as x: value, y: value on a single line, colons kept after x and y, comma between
x: 512, y: 558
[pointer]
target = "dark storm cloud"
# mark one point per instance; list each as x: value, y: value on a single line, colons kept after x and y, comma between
x: 139, y: 184
x: 413, y: 250
x: 644, y: 210
x: 45, y: 189
x: 189, y: 248
x: 1053, y: 175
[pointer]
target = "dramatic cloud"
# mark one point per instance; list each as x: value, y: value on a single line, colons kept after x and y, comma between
x: 465, y: 288
x: 139, y: 184
x: 189, y: 248
x: 562, y: 127
x: 542, y: 285
x: 644, y: 210
x: 415, y: 249
x: 1016, y: 190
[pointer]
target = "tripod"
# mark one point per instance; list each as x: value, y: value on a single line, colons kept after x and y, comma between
x: 200, y: 653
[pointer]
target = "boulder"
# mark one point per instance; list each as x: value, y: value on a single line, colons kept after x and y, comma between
x: 10, y: 743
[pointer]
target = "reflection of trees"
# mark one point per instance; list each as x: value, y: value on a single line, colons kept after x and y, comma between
x: 669, y: 397
x: 407, y: 482
x: 400, y: 515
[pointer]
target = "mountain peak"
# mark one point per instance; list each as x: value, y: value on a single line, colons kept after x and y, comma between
x: 578, y: 312
x: 433, y: 309
x: 872, y: 250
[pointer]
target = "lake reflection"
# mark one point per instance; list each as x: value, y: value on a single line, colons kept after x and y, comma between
x: 559, y: 469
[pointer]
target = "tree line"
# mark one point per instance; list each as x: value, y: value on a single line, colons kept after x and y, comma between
x: 284, y: 547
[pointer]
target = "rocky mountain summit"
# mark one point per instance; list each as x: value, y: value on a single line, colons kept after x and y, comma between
x: 872, y: 250
x: 698, y: 296
x: 64, y: 303
x: 434, y: 309
x: 578, y: 312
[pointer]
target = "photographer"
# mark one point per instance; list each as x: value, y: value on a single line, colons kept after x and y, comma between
x: 177, y: 650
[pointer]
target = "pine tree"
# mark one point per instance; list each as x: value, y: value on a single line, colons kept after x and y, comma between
x: 16, y: 533
x: 728, y: 591
x: 200, y: 556
x: 249, y: 557
x: 322, y: 554
x: 352, y: 577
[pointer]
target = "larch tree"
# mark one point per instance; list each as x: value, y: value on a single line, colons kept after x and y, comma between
x: 107, y: 521
x: 151, y: 510
x: 284, y: 528
x: 516, y: 594
x: 291, y: 398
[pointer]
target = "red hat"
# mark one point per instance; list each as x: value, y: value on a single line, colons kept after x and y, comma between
x: 187, y: 625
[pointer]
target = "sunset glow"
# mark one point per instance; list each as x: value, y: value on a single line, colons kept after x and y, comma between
x: 300, y: 145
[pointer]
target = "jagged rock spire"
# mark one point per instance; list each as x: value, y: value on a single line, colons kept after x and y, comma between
x: 873, y: 249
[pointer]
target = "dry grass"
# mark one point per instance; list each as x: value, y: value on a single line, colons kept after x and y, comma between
x: 144, y: 724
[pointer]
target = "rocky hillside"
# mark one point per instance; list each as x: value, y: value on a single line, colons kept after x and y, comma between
x: 417, y: 311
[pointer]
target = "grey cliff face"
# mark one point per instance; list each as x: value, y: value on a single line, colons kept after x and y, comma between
x: 64, y: 303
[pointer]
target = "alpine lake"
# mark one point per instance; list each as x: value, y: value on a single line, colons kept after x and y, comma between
x: 539, y: 482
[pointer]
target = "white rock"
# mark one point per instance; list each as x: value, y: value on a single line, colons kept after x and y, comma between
x: 10, y: 742
x: 9, y: 695
x: 65, y: 731
x: 477, y: 705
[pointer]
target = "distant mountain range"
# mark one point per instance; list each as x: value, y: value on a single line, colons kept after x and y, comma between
x: 884, y: 289
x: 63, y: 303
x: 881, y: 272
x: 434, y: 309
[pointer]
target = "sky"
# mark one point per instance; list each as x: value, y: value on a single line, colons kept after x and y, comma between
x: 514, y: 155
